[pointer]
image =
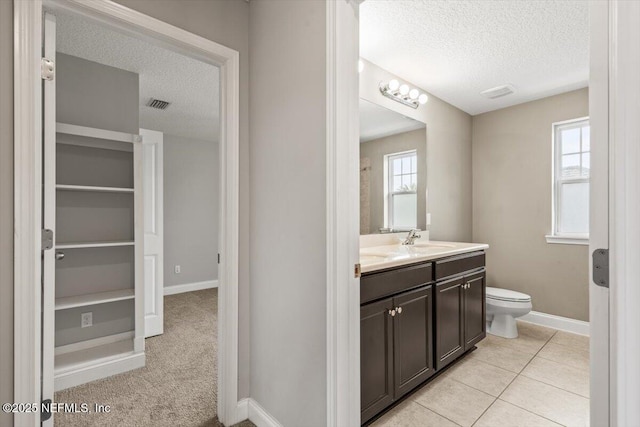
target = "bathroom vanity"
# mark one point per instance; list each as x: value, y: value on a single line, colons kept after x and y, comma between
x: 422, y: 307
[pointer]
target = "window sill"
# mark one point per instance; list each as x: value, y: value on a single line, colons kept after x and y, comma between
x: 567, y: 240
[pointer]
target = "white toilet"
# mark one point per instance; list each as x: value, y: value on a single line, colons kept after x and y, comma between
x: 503, y: 307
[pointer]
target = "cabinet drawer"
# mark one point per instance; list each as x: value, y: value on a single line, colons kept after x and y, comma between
x: 378, y: 285
x: 456, y: 265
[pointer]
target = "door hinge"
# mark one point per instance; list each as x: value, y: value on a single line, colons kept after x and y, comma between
x: 218, y: 258
x: 357, y: 271
x: 47, y: 69
x: 601, y: 267
x: 45, y: 410
x: 47, y: 239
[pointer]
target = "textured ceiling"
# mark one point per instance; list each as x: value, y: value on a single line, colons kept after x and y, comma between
x: 457, y: 49
x: 191, y: 86
x: 378, y: 122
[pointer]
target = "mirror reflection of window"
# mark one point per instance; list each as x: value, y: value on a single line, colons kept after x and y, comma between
x: 393, y: 170
x: 402, y: 202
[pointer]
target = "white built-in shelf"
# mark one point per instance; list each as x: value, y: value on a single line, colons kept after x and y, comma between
x: 92, y: 356
x: 94, y: 189
x: 81, y: 245
x: 97, y: 133
x: 93, y: 299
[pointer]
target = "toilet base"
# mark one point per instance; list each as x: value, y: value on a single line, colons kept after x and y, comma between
x: 503, y: 325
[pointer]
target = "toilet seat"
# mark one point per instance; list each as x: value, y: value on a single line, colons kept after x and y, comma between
x: 506, y: 295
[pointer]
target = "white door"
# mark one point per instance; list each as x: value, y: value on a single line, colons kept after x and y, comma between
x: 599, y: 212
x: 153, y: 187
x: 49, y: 217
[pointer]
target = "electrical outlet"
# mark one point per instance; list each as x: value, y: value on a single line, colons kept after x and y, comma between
x: 177, y: 269
x: 86, y: 320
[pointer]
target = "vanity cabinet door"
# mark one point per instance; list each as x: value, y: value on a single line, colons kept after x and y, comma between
x: 376, y: 357
x: 475, y: 322
x: 449, y: 318
x: 412, y: 337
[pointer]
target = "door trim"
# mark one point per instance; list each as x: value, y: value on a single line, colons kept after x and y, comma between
x: 342, y: 210
x: 624, y: 222
x: 28, y: 193
x: 27, y: 269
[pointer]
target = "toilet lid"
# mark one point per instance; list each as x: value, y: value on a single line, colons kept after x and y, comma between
x: 506, y: 295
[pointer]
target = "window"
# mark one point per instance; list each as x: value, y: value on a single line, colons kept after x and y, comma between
x: 402, y: 195
x: 571, y: 173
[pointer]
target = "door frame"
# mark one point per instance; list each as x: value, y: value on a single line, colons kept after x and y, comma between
x: 28, y: 192
x: 342, y: 211
x: 624, y: 201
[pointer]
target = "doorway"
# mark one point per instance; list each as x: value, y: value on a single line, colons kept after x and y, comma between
x: 176, y: 40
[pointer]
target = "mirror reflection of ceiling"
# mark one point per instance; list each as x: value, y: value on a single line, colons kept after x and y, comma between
x: 457, y: 49
x: 191, y: 86
x: 378, y: 122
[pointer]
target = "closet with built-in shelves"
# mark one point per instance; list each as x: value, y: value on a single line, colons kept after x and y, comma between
x: 99, y: 231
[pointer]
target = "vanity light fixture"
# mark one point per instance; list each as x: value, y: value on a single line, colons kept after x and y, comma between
x: 403, y: 94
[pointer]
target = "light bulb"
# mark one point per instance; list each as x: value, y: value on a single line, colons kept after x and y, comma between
x: 360, y: 66
x: 423, y: 98
x: 393, y: 85
x: 414, y: 93
x: 404, y: 90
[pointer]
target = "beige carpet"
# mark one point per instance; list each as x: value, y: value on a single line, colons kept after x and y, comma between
x: 177, y: 387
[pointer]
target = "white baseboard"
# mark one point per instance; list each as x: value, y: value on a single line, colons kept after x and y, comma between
x: 99, y: 370
x: 242, y: 411
x: 574, y: 326
x: 188, y: 287
x: 258, y: 415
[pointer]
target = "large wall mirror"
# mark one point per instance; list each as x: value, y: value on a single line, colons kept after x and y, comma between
x: 393, y: 170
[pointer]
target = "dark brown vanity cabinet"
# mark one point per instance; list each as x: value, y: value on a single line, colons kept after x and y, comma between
x: 396, y: 348
x: 415, y: 320
x: 460, y: 319
x: 412, y: 339
x: 376, y: 357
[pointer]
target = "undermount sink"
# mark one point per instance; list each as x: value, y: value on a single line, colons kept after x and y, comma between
x: 366, y: 258
x: 433, y: 245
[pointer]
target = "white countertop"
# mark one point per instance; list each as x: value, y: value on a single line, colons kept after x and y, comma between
x: 393, y: 254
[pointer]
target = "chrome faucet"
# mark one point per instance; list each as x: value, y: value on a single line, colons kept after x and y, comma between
x: 411, y: 237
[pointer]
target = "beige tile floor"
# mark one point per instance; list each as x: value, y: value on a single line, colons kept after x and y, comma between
x: 539, y: 379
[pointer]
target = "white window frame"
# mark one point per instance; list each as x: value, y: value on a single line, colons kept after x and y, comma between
x: 556, y: 236
x: 388, y: 193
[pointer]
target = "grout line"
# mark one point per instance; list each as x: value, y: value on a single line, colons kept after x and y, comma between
x: 525, y: 366
x: 520, y: 374
x: 475, y: 388
x: 555, y: 386
x: 437, y: 413
x: 531, y: 412
x: 565, y: 364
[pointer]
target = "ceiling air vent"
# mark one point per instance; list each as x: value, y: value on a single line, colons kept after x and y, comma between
x: 497, y: 92
x: 158, y: 104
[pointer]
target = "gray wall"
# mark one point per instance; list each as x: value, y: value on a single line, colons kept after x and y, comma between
x: 512, y: 205
x: 225, y: 22
x: 448, y: 155
x: 190, y: 210
x: 375, y: 150
x: 96, y: 95
x: 6, y: 207
x: 288, y: 205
